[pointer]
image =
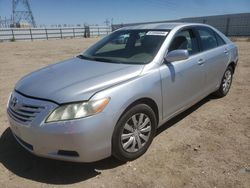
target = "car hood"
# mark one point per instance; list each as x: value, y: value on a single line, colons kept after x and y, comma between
x: 75, y: 79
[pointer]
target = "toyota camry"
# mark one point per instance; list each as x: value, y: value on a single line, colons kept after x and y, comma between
x: 110, y: 99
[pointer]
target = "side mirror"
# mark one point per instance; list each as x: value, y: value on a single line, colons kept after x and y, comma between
x: 176, y: 55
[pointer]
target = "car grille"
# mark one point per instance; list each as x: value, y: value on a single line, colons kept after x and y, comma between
x: 24, y: 112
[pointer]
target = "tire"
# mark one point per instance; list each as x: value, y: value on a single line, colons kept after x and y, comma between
x: 225, y: 83
x: 134, y: 133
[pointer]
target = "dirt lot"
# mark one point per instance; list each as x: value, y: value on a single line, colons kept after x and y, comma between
x: 206, y: 146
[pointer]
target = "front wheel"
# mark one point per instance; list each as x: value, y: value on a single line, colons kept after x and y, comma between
x: 225, y: 83
x: 134, y: 133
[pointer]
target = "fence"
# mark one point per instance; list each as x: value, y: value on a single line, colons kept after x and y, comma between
x: 230, y: 25
x: 7, y: 34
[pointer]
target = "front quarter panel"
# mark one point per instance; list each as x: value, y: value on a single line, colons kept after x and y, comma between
x: 147, y: 85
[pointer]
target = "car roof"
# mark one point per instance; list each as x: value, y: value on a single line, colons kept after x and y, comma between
x: 170, y: 26
x: 167, y: 26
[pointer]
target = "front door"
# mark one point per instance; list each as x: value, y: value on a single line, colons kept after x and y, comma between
x: 183, y: 82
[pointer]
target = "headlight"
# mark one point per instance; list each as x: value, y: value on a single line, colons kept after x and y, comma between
x: 77, y: 110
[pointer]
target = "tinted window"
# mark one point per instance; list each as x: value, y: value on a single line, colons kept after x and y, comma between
x: 208, y: 39
x: 220, y: 41
x: 185, y: 40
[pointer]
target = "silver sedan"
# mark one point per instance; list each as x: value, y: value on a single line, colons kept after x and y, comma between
x: 110, y: 99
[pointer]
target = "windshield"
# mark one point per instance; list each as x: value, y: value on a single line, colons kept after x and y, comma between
x: 127, y: 46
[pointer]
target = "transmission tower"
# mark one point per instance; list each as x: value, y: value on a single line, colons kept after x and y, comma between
x: 22, y: 15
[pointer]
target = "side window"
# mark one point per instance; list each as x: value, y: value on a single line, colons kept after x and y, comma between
x: 208, y: 39
x: 185, y: 40
x: 220, y: 41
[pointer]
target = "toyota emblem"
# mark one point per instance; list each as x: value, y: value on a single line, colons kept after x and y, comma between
x: 14, y: 101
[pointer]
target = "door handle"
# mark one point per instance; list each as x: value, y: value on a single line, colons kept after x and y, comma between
x: 201, y: 61
x: 226, y: 51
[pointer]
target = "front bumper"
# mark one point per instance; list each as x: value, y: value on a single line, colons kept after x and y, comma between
x: 82, y: 140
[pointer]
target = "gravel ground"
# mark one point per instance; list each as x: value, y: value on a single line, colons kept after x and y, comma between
x: 206, y: 146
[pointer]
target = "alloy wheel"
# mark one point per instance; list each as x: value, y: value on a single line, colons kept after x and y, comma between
x: 226, y: 83
x: 136, y: 132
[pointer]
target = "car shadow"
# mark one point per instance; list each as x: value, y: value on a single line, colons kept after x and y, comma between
x: 23, y: 164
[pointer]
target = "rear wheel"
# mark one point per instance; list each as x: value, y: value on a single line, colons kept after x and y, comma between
x: 134, y: 133
x: 225, y: 83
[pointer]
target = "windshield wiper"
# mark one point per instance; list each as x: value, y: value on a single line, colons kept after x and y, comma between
x: 84, y: 57
x: 99, y: 59
x: 105, y: 60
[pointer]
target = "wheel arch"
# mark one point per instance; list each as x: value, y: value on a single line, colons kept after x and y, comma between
x: 233, y: 65
x: 148, y: 101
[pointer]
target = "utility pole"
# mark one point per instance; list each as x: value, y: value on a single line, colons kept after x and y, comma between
x: 107, y: 22
x: 4, y: 22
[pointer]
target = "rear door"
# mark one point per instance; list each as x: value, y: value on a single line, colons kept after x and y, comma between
x: 215, y: 55
x: 183, y: 82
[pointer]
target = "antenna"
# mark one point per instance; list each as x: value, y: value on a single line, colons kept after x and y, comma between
x: 23, y: 15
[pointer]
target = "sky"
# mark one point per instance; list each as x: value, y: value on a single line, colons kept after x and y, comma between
x: 124, y: 11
